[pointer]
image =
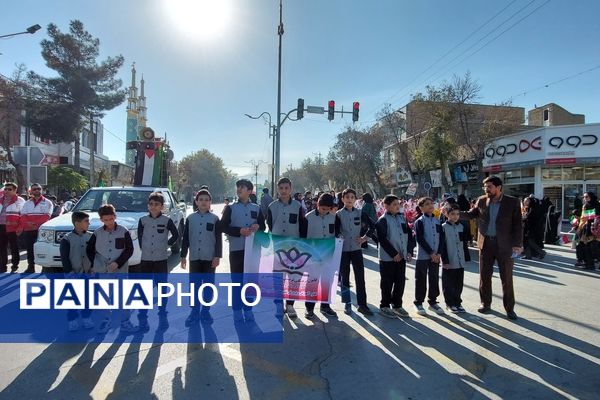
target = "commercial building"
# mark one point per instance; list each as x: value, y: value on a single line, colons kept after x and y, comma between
x: 561, y: 162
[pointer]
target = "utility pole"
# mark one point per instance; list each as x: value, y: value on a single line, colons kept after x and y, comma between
x: 92, y: 147
x: 278, y: 132
x: 255, y: 166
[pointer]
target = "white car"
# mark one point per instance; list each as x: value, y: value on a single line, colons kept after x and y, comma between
x: 131, y: 204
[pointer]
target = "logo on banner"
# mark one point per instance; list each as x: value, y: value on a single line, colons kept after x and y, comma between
x: 511, y: 148
x: 573, y: 141
x: 292, y: 260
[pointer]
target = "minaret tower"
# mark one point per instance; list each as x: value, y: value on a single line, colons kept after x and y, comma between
x: 132, y: 117
x: 142, y: 118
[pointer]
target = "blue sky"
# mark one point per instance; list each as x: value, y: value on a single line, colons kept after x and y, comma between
x: 203, y: 71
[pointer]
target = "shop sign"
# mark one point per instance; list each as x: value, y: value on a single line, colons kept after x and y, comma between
x: 465, y: 172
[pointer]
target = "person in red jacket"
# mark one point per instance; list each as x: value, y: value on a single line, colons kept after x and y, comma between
x: 10, y: 210
x: 35, y: 212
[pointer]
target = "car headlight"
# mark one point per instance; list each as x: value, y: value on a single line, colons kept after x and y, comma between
x: 46, y: 235
x: 133, y: 233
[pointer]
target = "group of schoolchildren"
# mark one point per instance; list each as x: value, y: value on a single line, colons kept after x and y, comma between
x: 110, y: 246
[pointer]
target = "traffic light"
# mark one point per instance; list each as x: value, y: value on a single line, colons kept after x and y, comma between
x: 355, y: 108
x: 300, y: 109
x: 331, y: 110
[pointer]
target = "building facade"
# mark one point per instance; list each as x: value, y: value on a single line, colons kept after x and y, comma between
x: 407, y: 128
x: 561, y: 162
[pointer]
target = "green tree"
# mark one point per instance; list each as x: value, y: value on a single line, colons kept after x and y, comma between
x: 204, y: 168
x: 83, y: 86
x: 355, y: 160
x: 65, y: 178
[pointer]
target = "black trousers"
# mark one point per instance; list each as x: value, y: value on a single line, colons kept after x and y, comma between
x: 590, y: 253
x: 426, y: 270
x: 452, y: 285
x: 153, y: 267
x: 203, y: 267
x: 236, y: 266
x: 393, y: 278
x: 8, y: 239
x: 356, y: 258
x: 29, y: 238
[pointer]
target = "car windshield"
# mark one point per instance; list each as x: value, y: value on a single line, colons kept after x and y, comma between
x: 123, y: 200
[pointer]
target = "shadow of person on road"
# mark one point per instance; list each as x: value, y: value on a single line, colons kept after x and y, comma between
x: 206, y: 376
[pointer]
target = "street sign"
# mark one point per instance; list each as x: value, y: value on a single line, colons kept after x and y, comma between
x: 37, y: 174
x: 412, y: 189
x: 36, y: 155
x: 315, y: 110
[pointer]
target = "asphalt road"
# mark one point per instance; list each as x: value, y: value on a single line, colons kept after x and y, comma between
x: 552, y: 351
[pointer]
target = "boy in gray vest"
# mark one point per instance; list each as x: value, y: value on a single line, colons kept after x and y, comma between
x: 202, y: 237
x: 396, y: 246
x: 453, y: 259
x: 109, y: 249
x: 240, y: 220
x: 153, y: 237
x: 285, y: 217
x: 75, y: 260
x: 354, y: 228
x: 321, y: 224
x: 430, y: 242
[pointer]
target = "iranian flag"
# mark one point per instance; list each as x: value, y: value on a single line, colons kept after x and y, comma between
x: 590, y: 214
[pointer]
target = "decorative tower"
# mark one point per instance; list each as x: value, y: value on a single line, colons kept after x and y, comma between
x: 142, y: 118
x: 132, y: 117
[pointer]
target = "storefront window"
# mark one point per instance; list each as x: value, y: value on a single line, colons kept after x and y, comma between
x: 594, y: 188
x: 570, y: 192
x: 552, y: 174
x: 528, y: 173
x: 520, y: 191
x: 572, y: 173
x: 592, y: 173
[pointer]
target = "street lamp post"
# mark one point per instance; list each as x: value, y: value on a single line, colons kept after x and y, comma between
x: 278, y: 133
x: 31, y: 30
x: 273, y: 129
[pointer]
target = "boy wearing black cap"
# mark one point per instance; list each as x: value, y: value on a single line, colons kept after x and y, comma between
x: 321, y: 224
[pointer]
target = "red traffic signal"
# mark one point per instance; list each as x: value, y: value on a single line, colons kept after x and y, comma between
x: 331, y: 110
x: 355, y: 109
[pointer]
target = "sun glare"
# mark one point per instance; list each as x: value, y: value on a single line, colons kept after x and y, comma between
x: 200, y: 19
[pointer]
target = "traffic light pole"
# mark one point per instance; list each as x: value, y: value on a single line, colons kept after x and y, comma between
x: 278, y: 132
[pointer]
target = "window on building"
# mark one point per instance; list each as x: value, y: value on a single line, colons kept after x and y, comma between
x: 572, y: 173
x: 546, y: 117
x: 592, y: 173
x: 40, y: 140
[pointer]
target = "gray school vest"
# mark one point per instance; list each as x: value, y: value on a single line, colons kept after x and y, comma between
x: 202, y: 236
x: 320, y: 226
x: 77, y: 251
x: 454, y: 246
x: 350, y: 228
x: 285, y: 218
x: 431, y: 234
x: 109, y: 246
x: 155, y: 238
x: 395, y: 235
x: 243, y: 215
